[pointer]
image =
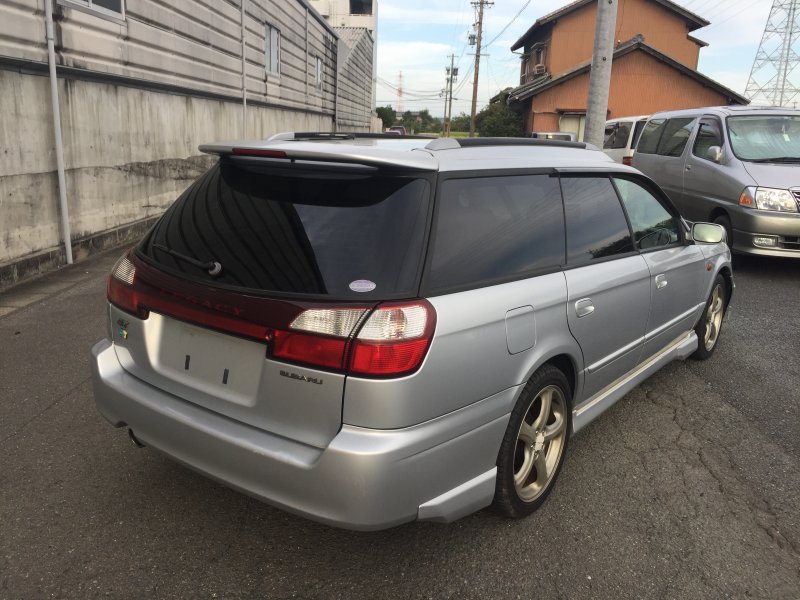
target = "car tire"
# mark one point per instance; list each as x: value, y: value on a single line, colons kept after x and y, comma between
x: 709, y: 326
x: 725, y: 222
x: 535, y: 444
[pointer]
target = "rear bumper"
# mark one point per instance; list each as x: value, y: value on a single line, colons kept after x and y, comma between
x: 364, y: 479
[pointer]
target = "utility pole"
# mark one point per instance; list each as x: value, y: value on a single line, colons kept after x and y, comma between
x: 452, y: 75
x: 478, y: 4
x: 600, y: 74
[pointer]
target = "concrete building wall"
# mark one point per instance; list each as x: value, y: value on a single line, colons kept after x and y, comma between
x: 137, y: 96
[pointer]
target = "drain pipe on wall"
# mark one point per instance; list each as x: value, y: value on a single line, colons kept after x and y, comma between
x: 62, y: 185
x: 244, y: 77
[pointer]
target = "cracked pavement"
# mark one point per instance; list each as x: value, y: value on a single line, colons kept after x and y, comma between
x: 687, y: 488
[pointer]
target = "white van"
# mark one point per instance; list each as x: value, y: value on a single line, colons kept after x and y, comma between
x: 621, y: 137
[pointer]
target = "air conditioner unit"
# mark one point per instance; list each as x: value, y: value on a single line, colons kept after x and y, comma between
x: 539, y: 69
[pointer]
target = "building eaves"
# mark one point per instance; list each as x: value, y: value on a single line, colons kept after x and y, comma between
x: 693, y: 21
x: 697, y: 41
x: 528, y: 90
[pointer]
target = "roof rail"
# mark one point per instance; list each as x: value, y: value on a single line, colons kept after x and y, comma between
x: 517, y: 141
x: 329, y: 135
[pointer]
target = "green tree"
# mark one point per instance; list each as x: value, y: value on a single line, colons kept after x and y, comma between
x: 387, y: 115
x: 460, y: 123
x: 498, y: 120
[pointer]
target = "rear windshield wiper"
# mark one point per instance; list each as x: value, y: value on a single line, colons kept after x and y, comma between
x: 213, y: 267
x: 777, y: 159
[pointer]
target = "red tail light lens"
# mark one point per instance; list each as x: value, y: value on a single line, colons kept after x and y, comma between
x: 121, y: 290
x: 627, y: 160
x: 315, y: 350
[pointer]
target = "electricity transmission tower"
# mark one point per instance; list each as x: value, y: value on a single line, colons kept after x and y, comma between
x: 774, y: 78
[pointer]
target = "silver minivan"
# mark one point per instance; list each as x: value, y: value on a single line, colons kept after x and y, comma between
x: 368, y: 330
x: 737, y: 166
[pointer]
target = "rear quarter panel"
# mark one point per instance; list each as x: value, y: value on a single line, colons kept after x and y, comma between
x: 470, y: 358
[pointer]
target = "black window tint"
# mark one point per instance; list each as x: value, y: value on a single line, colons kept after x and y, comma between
x: 618, y: 136
x: 707, y: 135
x: 653, y: 225
x: 305, y: 233
x: 650, y: 136
x: 596, y: 225
x: 496, y: 227
x: 637, y: 132
x: 676, y: 134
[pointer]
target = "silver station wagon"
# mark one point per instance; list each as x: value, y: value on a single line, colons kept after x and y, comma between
x: 369, y: 330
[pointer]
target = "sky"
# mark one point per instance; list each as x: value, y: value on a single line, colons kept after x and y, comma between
x: 417, y: 37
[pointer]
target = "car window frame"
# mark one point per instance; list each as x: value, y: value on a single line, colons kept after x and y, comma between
x: 661, y: 197
x: 598, y: 174
x: 720, y: 127
x: 426, y: 289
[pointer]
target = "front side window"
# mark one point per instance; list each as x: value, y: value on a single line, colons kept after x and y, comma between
x: 272, y: 49
x: 768, y: 138
x: 675, y: 136
x: 496, y: 228
x: 653, y: 225
x: 596, y: 225
x: 708, y: 134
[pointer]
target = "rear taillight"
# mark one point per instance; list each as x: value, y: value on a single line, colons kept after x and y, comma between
x: 387, y: 340
x: 121, y: 290
x: 627, y: 160
x: 391, y: 340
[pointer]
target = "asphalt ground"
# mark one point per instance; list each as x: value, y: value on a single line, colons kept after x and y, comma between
x: 687, y: 488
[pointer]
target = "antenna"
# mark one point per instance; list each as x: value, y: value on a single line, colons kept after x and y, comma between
x: 773, y: 79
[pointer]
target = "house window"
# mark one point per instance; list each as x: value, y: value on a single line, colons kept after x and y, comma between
x: 318, y: 65
x: 110, y: 9
x: 360, y: 7
x: 272, y: 50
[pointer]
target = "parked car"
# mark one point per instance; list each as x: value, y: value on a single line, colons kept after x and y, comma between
x: 563, y: 136
x: 398, y: 129
x: 736, y: 166
x: 621, y: 137
x: 368, y: 331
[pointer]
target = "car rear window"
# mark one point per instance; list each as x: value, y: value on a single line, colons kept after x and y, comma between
x: 339, y: 236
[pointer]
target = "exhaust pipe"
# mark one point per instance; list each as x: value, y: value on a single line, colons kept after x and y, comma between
x: 134, y: 439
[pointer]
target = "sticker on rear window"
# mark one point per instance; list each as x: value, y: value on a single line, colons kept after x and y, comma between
x: 362, y: 285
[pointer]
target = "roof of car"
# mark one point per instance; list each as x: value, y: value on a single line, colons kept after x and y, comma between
x: 726, y: 111
x: 391, y: 152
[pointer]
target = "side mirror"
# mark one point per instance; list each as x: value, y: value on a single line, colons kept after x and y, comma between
x: 714, y: 153
x: 708, y: 233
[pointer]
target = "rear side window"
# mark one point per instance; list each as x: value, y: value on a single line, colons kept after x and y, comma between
x: 496, y: 228
x: 357, y: 238
x: 596, y: 225
x: 674, y: 136
x: 648, y: 142
x: 617, y: 136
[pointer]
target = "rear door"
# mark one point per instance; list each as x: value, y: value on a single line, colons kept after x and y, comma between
x: 608, y: 282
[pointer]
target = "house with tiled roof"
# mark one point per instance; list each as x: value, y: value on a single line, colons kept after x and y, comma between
x: 654, y: 65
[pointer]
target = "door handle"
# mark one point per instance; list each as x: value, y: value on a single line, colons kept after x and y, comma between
x: 661, y: 281
x: 584, y: 307
x: 688, y: 167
